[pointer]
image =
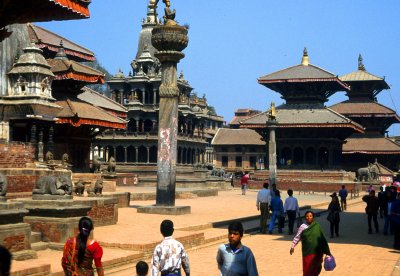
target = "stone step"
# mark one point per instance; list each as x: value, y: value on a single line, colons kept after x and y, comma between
x: 24, y: 255
x: 37, y: 246
x: 35, y: 237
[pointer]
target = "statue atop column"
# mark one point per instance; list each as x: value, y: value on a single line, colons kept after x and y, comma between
x: 169, y: 15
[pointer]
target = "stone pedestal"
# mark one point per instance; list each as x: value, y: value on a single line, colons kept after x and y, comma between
x: 16, y: 238
x: 164, y: 210
x: 12, y: 212
x: 14, y: 234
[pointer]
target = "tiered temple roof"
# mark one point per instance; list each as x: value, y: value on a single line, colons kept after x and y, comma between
x: 362, y: 107
x: 49, y: 41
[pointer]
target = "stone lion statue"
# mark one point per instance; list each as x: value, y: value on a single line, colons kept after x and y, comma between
x: 97, y: 190
x: 79, y: 188
x: 49, y: 157
x: 111, y: 165
x: 3, y: 184
x: 53, y: 185
x: 65, y: 159
x: 96, y: 164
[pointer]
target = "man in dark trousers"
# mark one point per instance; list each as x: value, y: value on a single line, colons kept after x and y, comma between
x: 262, y: 203
x: 372, y: 210
x: 291, y: 208
x: 343, y: 197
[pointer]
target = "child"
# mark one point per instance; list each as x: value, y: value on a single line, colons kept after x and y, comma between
x: 142, y: 268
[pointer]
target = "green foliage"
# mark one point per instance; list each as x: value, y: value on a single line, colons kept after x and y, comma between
x: 101, y: 88
x: 211, y: 110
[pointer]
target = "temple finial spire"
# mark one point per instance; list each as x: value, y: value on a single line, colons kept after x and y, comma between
x: 61, y: 52
x: 360, y: 63
x: 305, y: 60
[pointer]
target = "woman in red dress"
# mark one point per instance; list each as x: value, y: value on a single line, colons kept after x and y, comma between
x: 80, y: 252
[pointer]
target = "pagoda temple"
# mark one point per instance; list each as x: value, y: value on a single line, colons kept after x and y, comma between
x: 40, y: 101
x: 308, y: 135
x: 138, y: 92
x: 363, y: 108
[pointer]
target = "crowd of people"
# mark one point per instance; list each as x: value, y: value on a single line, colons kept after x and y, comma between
x: 233, y: 258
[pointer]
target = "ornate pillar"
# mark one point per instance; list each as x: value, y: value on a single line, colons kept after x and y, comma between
x: 169, y: 39
x: 154, y: 97
x: 50, y: 144
x: 137, y: 125
x: 40, y: 150
x: 272, y: 124
x: 126, y: 154
x: 137, y: 154
x: 148, y: 154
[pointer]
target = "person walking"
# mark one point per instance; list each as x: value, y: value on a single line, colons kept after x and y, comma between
x: 169, y: 256
x: 234, y: 258
x: 372, y: 210
x: 291, y: 208
x: 244, y: 182
x: 387, y: 200
x: 395, y: 220
x: 277, y: 211
x: 262, y: 203
x: 313, y: 245
x: 80, y: 252
x: 343, y: 198
x: 333, y: 214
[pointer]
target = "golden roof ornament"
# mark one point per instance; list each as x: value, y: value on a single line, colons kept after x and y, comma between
x: 305, y: 60
x: 272, y: 112
x: 360, y: 63
x: 169, y: 15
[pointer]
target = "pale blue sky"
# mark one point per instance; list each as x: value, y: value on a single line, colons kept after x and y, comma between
x: 232, y: 43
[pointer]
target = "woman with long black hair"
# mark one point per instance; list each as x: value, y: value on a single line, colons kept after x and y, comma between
x: 80, y: 252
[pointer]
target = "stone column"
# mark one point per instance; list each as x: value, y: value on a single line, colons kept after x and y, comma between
x: 148, y: 154
x: 50, y: 144
x: 169, y: 40
x: 40, y: 150
x: 137, y: 154
x: 272, y: 124
x: 126, y: 154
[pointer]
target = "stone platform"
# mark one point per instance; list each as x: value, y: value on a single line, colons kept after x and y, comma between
x: 135, y: 235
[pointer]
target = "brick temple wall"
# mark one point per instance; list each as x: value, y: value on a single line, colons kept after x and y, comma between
x: 16, y: 155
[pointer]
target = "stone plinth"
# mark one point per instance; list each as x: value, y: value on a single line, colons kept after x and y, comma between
x: 51, y: 197
x: 102, y: 210
x: 16, y: 238
x: 164, y: 210
x: 12, y: 212
x: 56, y: 230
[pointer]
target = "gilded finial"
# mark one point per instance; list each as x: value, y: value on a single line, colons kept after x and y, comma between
x: 272, y: 112
x: 360, y: 63
x: 305, y: 60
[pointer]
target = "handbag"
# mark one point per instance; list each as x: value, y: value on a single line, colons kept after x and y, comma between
x: 329, y: 263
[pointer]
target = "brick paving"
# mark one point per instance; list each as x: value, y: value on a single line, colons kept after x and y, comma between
x: 134, y: 236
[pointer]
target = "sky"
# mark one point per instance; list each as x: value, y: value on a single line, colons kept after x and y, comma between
x: 232, y: 43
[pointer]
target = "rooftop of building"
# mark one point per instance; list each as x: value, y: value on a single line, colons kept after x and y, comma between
x: 226, y: 136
